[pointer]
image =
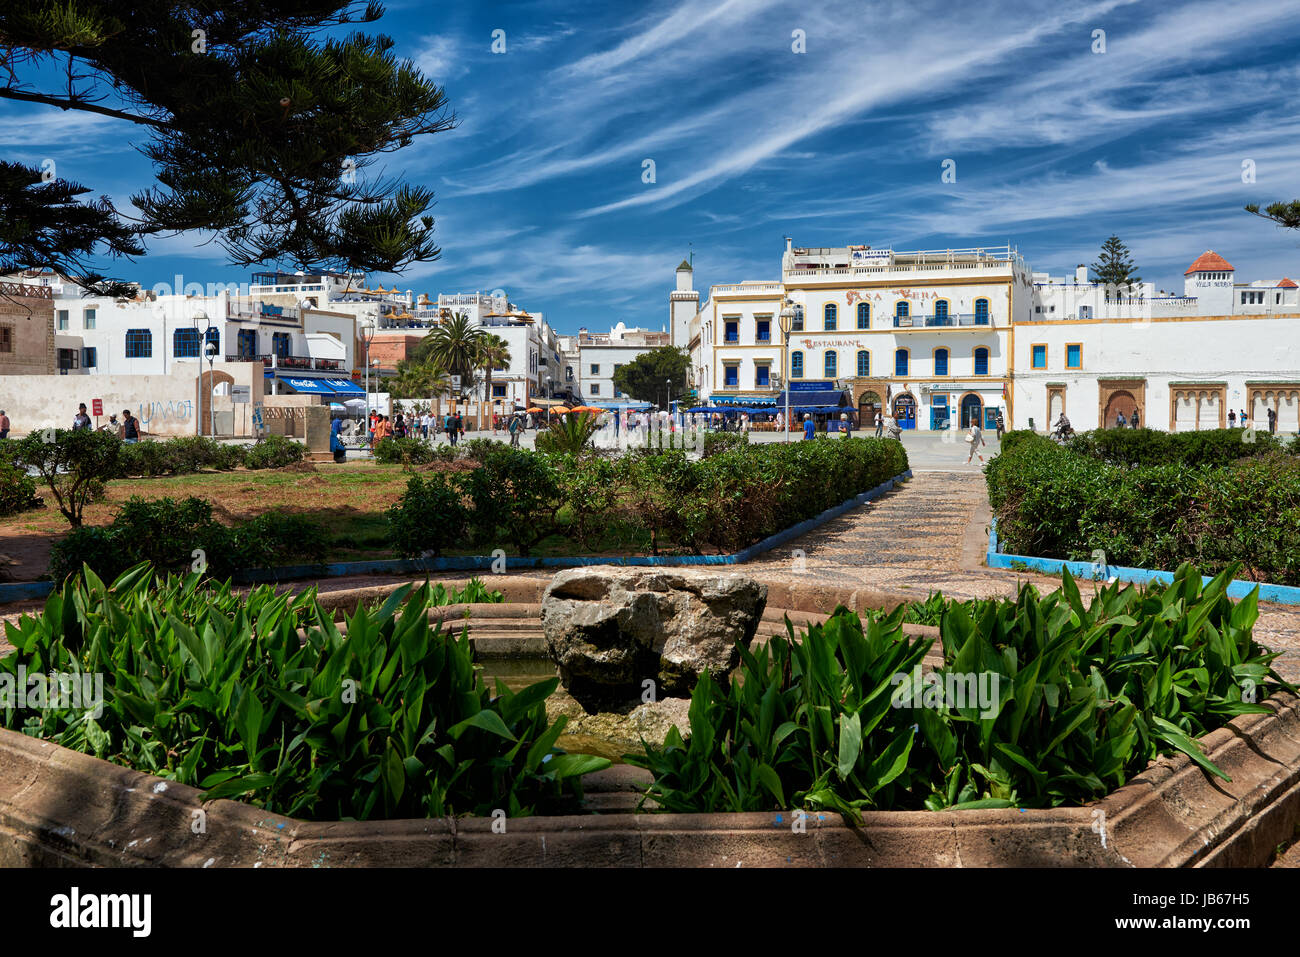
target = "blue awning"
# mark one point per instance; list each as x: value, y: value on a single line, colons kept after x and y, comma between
x: 304, y: 385
x: 344, y: 386
x: 803, y: 400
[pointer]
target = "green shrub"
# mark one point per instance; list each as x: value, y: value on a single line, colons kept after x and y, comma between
x: 1069, y: 703
x: 74, y: 466
x: 514, y: 496
x: 715, y: 442
x: 476, y: 450
x: 394, y: 451
x: 261, y: 696
x: 568, y: 434
x: 167, y: 533
x: 1200, y: 449
x: 273, y: 452
x: 178, y: 456
x: 428, y: 518
x: 17, y: 489
x: 1059, y: 503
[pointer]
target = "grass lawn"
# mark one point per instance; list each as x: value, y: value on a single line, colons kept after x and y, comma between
x: 349, y: 500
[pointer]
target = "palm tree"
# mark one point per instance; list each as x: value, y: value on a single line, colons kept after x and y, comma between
x: 416, y: 380
x: 493, y: 353
x: 454, y: 346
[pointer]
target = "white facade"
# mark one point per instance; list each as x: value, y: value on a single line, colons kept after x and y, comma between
x: 600, y: 354
x: 929, y: 329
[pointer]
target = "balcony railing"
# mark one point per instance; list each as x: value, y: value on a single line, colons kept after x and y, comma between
x: 292, y: 362
x: 950, y: 320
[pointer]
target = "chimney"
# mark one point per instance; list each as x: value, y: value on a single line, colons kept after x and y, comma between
x: 789, y: 244
x: 1081, y: 274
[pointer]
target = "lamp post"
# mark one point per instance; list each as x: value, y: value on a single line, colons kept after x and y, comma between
x: 367, y: 336
x: 550, y: 395
x: 211, y: 350
x: 787, y: 322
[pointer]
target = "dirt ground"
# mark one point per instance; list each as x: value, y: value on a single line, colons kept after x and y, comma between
x: 346, y: 499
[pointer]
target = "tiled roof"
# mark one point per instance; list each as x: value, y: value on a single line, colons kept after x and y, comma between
x: 1209, y: 261
x: 1287, y: 284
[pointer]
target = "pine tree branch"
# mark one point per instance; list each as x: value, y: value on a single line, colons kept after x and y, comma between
x: 76, y: 103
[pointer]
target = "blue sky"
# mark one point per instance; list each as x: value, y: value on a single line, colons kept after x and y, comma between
x: 540, y: 189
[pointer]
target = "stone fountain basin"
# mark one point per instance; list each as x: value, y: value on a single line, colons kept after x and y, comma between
x: 63, y: 808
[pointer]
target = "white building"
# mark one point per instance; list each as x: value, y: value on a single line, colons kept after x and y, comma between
x: 601, y: 354
x: 1181, y: 364
x: 928, y: 332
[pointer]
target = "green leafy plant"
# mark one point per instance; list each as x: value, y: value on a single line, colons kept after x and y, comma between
x: 429, y: 517
x: 273, y: 452
x: 74, y: 466
x: 568, y: 434
x: 395, y: 451
x: 173, y: 534
x: 264, y: 697
x: 17, y: 490
x: 1073, y: 701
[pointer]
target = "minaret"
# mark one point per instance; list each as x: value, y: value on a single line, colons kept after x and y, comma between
x: 683, y: 304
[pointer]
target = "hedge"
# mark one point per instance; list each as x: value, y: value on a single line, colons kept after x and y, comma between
x: 180, y: 535
x: 1057, y: 502
x: 726, y: 501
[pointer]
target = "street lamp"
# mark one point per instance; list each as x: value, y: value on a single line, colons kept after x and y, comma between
x: 211, y: 350
x: 367, y: 336
x: 550, y: 395
x: 670, y: 398
x: 787, y: 323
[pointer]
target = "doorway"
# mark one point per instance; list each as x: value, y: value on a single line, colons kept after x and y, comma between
x: 972, y: 410
x: 905, y: 411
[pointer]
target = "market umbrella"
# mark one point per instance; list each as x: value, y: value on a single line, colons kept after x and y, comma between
x: 587, y: 408
x: 559, y: 409
x: 535, y: 410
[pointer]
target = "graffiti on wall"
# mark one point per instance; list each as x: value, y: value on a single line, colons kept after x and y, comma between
x: 178, y: 410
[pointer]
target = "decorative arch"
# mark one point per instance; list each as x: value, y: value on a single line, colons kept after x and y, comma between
x: 206, y: 383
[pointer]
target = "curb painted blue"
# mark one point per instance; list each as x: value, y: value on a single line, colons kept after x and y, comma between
x: 1237, y: 588
x: 22, y: 591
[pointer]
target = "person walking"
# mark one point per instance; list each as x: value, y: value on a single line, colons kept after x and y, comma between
x: 399, y: 427
x: 880, y: 423
x: 449, y: 425
x: 809, y: 427
x: 976, y: 439
x: 844, y: 425
x: 129, y: 431
x: 4, y: 424
x: 1120, y: 421
x: 458, y: 424
x: 1232, y: 419
x: 1002, y: 425
x: 514, y: 428
x: 336, y: 441
x: 1272, y: 423
x: 1134, y: 423
x: 81, y: 421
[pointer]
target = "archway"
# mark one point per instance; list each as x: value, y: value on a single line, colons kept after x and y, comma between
x: 972, y: 410
x: 1120, y: 401
x: 868, y: 409
x: 207, y: 383
x: 905, y: 410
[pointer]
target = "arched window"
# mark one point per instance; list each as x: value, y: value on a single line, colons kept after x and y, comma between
x: 832, y: 361
x: 901, y: 362
x: 981, y: 312
x: 185, y: 344
x: 864, y: 315
x: 213, y: 336
x: 901, y: 309
x: 796, y: 365
x: 940, y: 361
x: 139, y: 344
x: 280, y: 344
x: 864, y: 362
x: 797, y: 324
x: 981, y: 361
x: 941, y: 310
x: 830, y: 313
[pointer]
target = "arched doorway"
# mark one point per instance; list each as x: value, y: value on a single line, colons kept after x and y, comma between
x: 905, y: 410
x: 972, y: 410
x: 209, y: 384
x: 1121, y: 401
x: 868, y: 409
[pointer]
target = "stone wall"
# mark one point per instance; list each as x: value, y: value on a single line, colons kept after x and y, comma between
x: 28, y: 318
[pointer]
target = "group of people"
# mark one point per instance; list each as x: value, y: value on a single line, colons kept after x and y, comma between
x: 1235, y: 419
x: 1134, y: 422
x: 128, y: 430
x: 417, y: 425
